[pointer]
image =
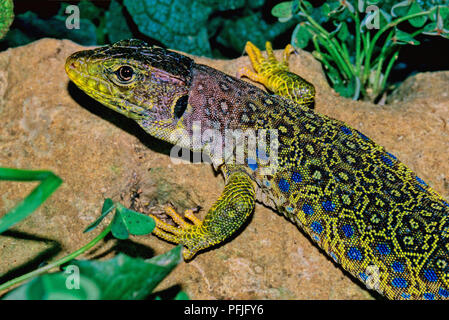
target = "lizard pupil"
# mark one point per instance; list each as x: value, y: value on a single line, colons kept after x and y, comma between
x: 125, y: 73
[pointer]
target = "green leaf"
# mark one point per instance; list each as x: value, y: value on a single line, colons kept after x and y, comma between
x: 235, y: 33
x: 127, y: 222
x: 418, y: 21
x: 178, y: 24
x: 49, y: 183
x: 108, y: 205
x: 115, y: 23
x: 181, y: 296
x: 400, y: 9
x: 343, y: 34
x: 300, y: 36
x: 439, y: 11
x: 402, y: 37
x: 125, y: 278
x: 282, y: 10
x: 121, y: 277
x: 56, y: 287
x: 346, y: 89
x: 6, y: 16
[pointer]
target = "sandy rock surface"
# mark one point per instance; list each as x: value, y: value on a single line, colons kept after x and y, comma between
x: 47, y: 123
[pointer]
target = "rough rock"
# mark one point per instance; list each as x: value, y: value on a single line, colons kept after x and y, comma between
x: 47, y: 123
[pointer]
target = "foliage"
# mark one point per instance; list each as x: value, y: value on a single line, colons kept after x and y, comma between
x: 358, y: 42
x: 49, y: 183
x: 121, y: 277
x: 6, y: 16
x: 185, y: 25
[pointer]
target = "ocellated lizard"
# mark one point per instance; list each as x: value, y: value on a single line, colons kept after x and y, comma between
x: 359, y: 203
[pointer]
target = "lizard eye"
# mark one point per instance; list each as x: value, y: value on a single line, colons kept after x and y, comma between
x: 125, y: 73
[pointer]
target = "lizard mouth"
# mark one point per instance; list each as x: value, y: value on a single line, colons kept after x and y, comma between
x: 99, y: 88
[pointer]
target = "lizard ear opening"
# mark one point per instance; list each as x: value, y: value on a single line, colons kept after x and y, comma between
x: 180, y: 106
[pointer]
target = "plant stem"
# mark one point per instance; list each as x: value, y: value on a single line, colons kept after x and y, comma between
x: 59, y: 262
x: 380, y: 32
x: 382, y: 56
x: 358, y: 59
x: 332, y: 45
x: 388, y: 69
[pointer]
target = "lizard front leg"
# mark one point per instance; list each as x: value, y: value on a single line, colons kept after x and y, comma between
x: 222, y: 220
x: 274, y: 75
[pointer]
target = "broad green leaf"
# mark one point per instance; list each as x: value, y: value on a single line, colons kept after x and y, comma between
x: 178, y: 24
x: 127, y: 222
x: 400, y: 9
x: 282, y: 10
x: 121, y: 277
x: 343, y: 34
x: 440, y: 12
x: 300, y: 36
x: 402, y: 37
x: 417, y: 22
x: 125, y: 278
x: 56, y: 286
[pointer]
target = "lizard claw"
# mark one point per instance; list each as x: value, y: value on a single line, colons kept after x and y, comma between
x: 177, y: 234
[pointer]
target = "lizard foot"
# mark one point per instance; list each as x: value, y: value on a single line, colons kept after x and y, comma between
x: 180, y: 234
x: 275, y: 76
x: 264, y: 67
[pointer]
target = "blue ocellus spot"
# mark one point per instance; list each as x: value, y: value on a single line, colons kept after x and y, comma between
x: 284, y: 185
x: 387, y: 160
x: 316, y: 227
x: 392, y: 155
x: 307, y: 209
x: 421, y: 181
x: 363, y: 276
x: 429, y: 296
x: 347, y: 230
x: 346, y: 130
x: 296, y: 177
x: 443, y: 292
x: 398, y: 267
x: 354, y: 254
x: 383, y: 249
x: 328, y: 205
x: 399, y: 283
x: 430, y: 275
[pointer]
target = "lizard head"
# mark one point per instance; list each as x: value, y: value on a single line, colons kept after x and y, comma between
x: 146, y: 83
